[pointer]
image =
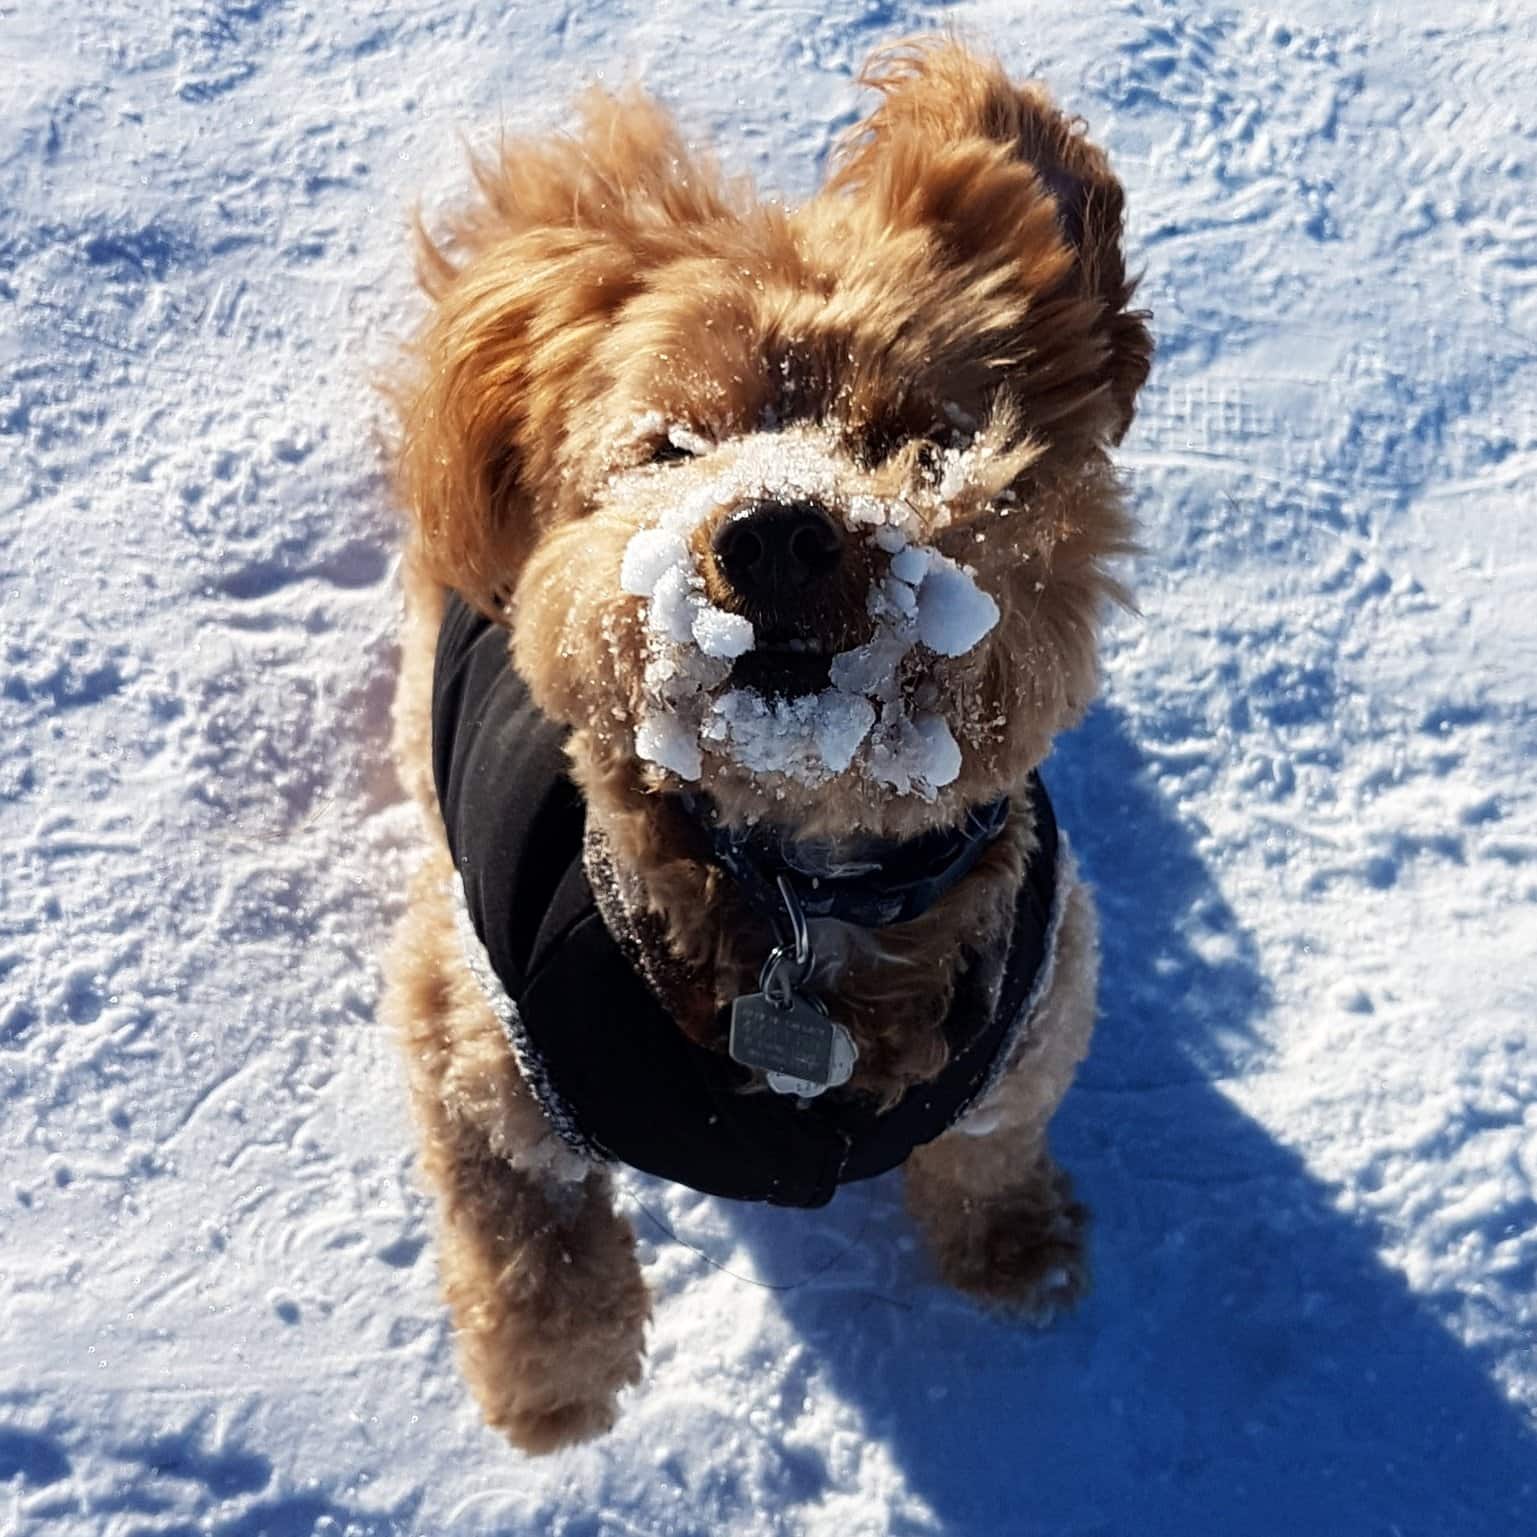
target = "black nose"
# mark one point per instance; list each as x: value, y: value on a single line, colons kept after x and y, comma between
x: 777, y: 551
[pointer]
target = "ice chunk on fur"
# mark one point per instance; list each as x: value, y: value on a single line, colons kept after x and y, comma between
x: 666, y: 741
x: 762, y: 736
x: 895, y: 603
x: 933, y: 754
x: 720, y: 634
x: 958, y: 471
x: 648, y: 556
x: 953, y: 612
x: 678, y: 673
x: 911, y: 565
x: 673, y: 604
x: 872, y: 669
x: 915, y: 757
x: 843, y: 721
x: 809, y: 738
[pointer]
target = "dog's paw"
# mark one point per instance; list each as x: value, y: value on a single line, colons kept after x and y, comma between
x: 567, y: 1416
x: 1025, y: 1250
x: 551, y: 1376
x: 549, y: 1302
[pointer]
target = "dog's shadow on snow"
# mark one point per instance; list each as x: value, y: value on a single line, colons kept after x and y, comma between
x: 1245, y: 1364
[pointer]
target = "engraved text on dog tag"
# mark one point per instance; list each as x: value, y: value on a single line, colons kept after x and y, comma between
x: 800, y: 1048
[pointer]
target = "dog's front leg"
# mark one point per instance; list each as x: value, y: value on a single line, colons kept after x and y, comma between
x: 547, y: 1298
x: 538, y: 1269
x: 998, y: 1214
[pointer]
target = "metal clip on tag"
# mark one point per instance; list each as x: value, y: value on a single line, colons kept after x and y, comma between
x: 783, y: 1032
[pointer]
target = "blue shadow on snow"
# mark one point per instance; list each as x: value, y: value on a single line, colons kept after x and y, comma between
x: 1246, y: 1365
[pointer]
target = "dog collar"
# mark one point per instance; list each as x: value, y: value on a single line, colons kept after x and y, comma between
x: 872, y: 884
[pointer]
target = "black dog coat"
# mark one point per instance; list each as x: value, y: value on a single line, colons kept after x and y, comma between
x: 612, y: 1071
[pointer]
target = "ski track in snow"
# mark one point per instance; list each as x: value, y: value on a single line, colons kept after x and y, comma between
x: 1307, y: 1127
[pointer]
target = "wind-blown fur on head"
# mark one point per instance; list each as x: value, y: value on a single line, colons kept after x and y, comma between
x: 525, y: 281
x: 958, y: 150
x: 627, y: 351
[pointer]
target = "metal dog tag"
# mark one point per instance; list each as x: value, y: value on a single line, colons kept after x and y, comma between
x: 802, y: 1051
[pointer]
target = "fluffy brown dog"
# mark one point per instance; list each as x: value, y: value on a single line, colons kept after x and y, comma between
x: 798, y: 519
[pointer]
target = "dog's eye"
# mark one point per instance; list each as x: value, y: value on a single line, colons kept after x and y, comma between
x: 875, y: 444
x: 667, y: 452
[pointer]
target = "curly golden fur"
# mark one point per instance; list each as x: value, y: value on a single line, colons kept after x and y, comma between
x: 957, y: 286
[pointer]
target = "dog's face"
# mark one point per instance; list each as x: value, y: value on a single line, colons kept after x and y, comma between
x: 806, y: 509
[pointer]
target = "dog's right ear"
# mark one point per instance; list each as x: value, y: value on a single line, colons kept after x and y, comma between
x: 524, y: 283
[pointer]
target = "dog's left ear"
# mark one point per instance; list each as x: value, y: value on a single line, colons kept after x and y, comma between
x: 1010, y: 188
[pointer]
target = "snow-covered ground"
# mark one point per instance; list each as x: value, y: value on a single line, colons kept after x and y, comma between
x: 1308, y: 1126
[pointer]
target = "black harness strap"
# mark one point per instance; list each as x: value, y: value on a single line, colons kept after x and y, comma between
x: 612, y: 1069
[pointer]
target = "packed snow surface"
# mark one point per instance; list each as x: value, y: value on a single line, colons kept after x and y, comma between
x: 691, y: 707
x: 1306, y: 1126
